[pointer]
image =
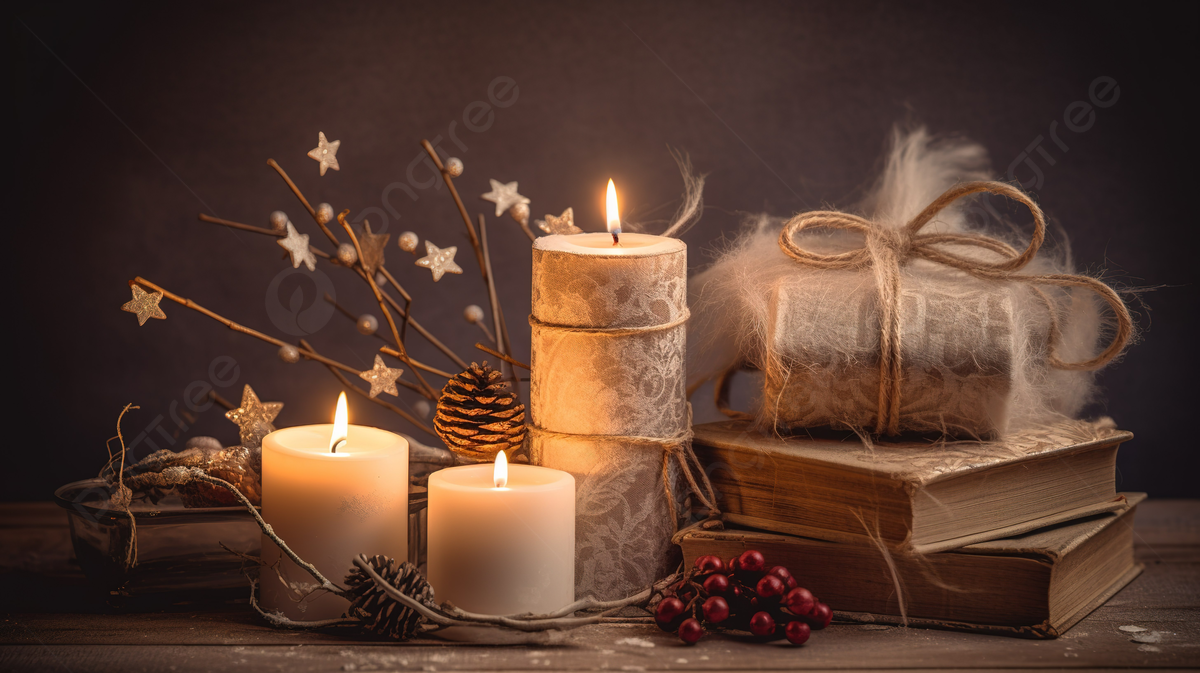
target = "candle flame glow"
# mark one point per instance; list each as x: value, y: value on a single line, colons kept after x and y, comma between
x: 500, y: 474
x: 340, y: 425
x: 613, y: 213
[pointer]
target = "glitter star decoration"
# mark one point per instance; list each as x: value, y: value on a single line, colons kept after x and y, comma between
x: 296, y: 243
x: 372, y: 248
x: 439, y: 260
x: 325, y: 153
x: 145, y: 305
x: 505, y: 196
x: 382, y: 378
x: 253, y: 418
x: 563, y: 224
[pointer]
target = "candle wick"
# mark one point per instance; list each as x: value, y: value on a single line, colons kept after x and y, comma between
x: 616, y: 238
x: 337, y: 445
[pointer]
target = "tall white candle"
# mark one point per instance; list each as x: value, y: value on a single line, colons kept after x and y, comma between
x: 330, y: 506
x: 502, y: 549
x: 608, y: 345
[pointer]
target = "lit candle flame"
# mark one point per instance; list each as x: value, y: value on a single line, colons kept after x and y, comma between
x: 500, y: 474
x: 614, y: 215
x: 340, y: 425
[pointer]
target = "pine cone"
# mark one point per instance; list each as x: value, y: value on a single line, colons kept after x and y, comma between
x: 381, y: 613
x: 478, y: 415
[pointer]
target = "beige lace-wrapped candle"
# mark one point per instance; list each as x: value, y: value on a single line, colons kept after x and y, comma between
x: 607, y: 395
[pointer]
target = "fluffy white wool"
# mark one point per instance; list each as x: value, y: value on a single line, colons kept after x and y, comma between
x: 731, y: 300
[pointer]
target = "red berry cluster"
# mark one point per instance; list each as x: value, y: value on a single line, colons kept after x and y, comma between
x: 741, y: 594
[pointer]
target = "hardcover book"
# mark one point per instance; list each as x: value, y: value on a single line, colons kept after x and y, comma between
x: 1035, y: 585
x: 921, y: 496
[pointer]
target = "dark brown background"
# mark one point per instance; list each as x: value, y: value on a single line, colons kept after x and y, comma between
x: 171, y: 112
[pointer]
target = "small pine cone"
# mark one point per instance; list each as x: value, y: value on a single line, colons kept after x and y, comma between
x: 478, y: 415
x: 381, y: 613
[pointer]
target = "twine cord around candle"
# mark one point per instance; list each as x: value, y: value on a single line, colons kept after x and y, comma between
x: 887, y: 249
x: 613, y: 331
x: 678, y: 447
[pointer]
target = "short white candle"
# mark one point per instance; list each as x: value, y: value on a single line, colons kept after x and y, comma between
x: 502, y: 549
x: 330, y: 506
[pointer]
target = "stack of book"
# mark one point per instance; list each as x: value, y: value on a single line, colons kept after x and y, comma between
x: 1023, y: 536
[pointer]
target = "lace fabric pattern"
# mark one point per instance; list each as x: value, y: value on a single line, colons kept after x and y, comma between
x: 608, y: 366
x: 959, y: 345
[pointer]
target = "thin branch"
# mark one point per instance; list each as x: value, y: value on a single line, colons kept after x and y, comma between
x: 449, y: 615
x: 383, y: 403
x: 419, y: 365
x: 280, y: 621
x: 497, y: 316
x: 462, y: 210
x: 239, y: 328
x: 502, y: 356
x: 216, y: 397
x: 383, y: 307
x: 181, y: 475
x: 259, y: 230
x: 405, y: 312
x: 296, y: 190
x: 525, y: 227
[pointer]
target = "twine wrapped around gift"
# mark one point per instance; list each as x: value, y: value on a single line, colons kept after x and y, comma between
x: 888, y: 249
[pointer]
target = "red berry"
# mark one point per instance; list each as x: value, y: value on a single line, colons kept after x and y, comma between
x: 785, y: 575
x: 732, y: 563
x: 762, y: 624
x: 716, y: 584
x: 797, y: 632
x: 800, y: 601
x: 736, y: 591
x: 690, y: 631
x: 821, y: 616
x: 716, y: 610
x: 667, y: 613
x: 770, y: 587
x: 752, y: 561
x: 709, y: 564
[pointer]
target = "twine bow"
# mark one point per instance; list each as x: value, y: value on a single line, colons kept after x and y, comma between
x: 888, y: 249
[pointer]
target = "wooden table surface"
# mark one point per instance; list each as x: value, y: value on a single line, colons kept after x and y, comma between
x: 49, y: 621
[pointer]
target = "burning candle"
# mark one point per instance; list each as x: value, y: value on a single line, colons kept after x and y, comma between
x: 331, y: 492
x: 608, y: 345
x: 615, y: 243
x: 502, y: 537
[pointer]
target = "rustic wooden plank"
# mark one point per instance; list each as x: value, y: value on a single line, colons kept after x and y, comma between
x: 1164, y: 602
x: 1094, y: 644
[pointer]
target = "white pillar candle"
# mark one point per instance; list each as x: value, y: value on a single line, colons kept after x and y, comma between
x: 502, y: 549
x: 330, y: 506
x: 608, y: 345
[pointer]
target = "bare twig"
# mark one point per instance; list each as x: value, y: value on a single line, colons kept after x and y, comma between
x: 407, y: 312
x: 497, y: 316
x: 239, y: 328
x: 296, y: 190
x: 403, y: 352
x: 419, y: 365
x: 404, y: 312
x: 502, y: 356
x: 279, y: 621
x: 259, y: 230
x: 462, y: 210
x: 525, y: 228
x: 383, y: 403
x: 216, y: 397
x: 449, y: 615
